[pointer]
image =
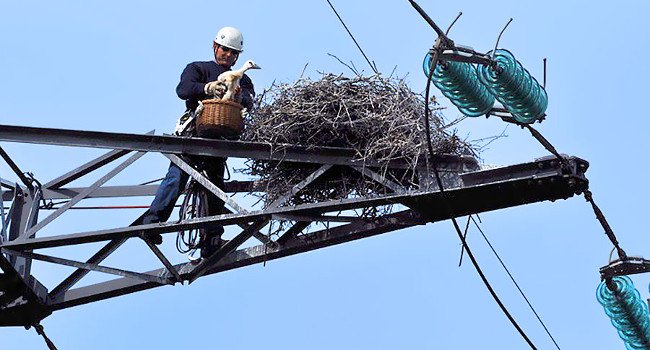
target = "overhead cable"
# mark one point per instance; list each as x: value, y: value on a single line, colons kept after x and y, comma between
x: 372, y: 66
x: 453, y: 218
x: 514, y: 281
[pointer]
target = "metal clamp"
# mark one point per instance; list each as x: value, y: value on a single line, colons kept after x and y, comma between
x: 628, y: 266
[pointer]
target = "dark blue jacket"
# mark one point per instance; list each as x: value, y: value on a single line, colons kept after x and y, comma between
x: 197, y: 74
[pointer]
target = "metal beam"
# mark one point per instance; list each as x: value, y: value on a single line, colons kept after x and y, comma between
x: 246, y: 257
x: 20, y: 207
x: 16, y: 169
x: 199, y: 270
x: 531, y: 182
x: 257, y: 234
x: 102, y: 192
x: 205, y: 182
x: 98, y: 257
x: 214, y: 189
x: 80, y: 273
x: 6, y: 184
x: 163, y: 259
x: 318, y: 218
x: 32, y: 231
x: 93, y: 267
x: 382, y: 180
x: 299, y: 186
x: 224, y: 219
x: 25, y: 287
x: 205, y: 147
x: 133, y: 190
x: 85, y: 169
x: 32, y: 216
x: 88, y: 167
x: 292, y: 231
x: 544, y: 179
x: 7, y: 220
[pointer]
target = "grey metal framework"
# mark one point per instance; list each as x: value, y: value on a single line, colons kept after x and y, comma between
x: 24, y: 301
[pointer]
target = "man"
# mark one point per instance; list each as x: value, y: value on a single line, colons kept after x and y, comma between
x: 198, y: 82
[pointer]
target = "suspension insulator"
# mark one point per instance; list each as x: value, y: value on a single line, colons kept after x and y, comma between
x: 514, y: 87
x: 458, y: 82
x: 629, y: 314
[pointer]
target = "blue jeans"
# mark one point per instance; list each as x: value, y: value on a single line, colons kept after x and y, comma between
x: 173, y: 185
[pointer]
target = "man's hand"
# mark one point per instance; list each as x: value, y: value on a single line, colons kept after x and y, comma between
x: 215, y: 88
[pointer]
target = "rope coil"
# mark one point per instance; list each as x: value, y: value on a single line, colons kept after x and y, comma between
x: 192, y: 207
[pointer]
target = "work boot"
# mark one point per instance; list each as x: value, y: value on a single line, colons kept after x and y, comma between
x: 155, y: 238
x: 145, y: 219
x: 210, y: 246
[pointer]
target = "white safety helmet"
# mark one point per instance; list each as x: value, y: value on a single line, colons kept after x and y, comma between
x: 230, y: 37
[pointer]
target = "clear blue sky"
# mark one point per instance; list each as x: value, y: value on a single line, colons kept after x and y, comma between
x: 114, y: 65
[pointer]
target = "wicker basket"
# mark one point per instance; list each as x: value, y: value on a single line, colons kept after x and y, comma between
x: 220, y: 119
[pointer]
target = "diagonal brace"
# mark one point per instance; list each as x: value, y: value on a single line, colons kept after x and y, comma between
x: 382, y: 180
x: 304, y: 183
x: 83, y: 194
x: 231, y: 245
x: 98, y: 257
x: 205, y: 182
x: 88, y: 167
x: 168, y: 265
x: 92, y: 267
x: 16, y: 170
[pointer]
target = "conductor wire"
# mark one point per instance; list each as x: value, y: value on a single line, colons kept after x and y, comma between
x: 514, y: 281
x: 434, y: 61
x: 374, y: 69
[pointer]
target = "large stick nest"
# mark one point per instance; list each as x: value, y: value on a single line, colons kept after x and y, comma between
x: 381, y: 119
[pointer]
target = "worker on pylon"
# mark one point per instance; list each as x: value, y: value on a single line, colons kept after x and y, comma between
x: 199, y: 82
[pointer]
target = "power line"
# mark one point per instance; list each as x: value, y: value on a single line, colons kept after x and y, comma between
x: 513, y: 281
x: 453, y: 218
x: 374, y: 69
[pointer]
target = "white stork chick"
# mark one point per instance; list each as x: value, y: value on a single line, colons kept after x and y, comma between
x: 231, y: 78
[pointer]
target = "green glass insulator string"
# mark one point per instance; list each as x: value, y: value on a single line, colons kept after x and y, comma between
x: 513, y: 86
x: 628, y: 313
x: 458, y: 81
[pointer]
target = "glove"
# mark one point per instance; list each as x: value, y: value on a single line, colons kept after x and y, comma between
x: 215, y: 88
